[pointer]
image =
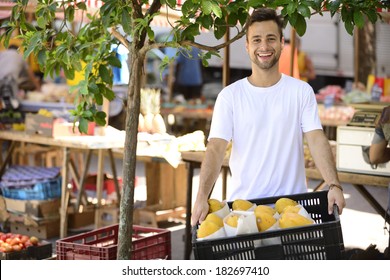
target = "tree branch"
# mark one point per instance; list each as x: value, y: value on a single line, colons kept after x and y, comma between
x: 120, y: 38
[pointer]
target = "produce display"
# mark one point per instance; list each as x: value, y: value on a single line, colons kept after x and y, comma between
x: 150, y: 119
x: 309, y: 162
x: 334, y: 91
x: 12, y: 242
x: 336, y: 113
x: 246, y: 217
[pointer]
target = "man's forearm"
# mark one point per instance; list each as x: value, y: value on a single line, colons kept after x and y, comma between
x: 210, y: 169
x: 323, y: 158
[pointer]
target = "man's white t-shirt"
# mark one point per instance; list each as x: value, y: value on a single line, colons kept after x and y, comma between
x: 266, y: 127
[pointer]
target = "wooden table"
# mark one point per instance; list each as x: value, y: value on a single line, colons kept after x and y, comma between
x: 100, y: 144
x: 194, y: 160
x: 358, y: 181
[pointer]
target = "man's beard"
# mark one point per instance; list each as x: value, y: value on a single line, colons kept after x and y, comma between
x: 266, y: 65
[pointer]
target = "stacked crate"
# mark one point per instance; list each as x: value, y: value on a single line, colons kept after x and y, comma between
x: 32, y: 200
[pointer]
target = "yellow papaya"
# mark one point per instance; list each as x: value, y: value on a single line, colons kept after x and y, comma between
x: 281, y: 203
x: 264, y: 221
x: 288, y: 220
x: 207, y: 228
x: 241, y: 205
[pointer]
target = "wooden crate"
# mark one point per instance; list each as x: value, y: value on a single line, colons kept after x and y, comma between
x: 166, y: 185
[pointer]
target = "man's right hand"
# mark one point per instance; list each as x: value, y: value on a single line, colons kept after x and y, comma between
x: 200, y: 211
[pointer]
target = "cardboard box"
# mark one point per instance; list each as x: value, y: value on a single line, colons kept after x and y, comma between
x: 29, y: 220
x: 44, y: 231
x: 61, y: 128
x: 39, y: 124
x: 37, y: 208
x: 82, y: 219
x: 51, y: 127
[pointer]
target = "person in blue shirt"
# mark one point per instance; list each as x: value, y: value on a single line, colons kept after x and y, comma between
x: 188, y: 78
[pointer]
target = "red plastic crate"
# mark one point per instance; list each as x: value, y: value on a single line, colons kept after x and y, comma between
x: 101, y: 244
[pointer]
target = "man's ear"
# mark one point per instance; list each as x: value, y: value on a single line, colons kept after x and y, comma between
x: 282, y: 42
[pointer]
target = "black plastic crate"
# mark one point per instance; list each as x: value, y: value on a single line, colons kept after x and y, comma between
x: 40, y: 252
x: 320, y: 241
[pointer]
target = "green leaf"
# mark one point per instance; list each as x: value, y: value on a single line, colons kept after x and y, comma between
x: 304, y: 10
x: 282, y: 2
x: 344, y: 12
x: 372, y: 16
x: 41, y: 21
x: 219, y: 28
x: 171, y: 3
x: 53, y: 7
x: 114, y: 61
x: 81, y: 5
x: 150, y: 33
x: 92, y: 87
x: 100, y: 118
x: 216, y: 10
x: 69, y: 73
x: 349, y: 26
x: 207, y: 7
x: 42, y: 57
x: 83, y: 87
x: 186, y: 8
x: 109, y: 94
x: 300, y: 26
x: 333, y: 7
x: 291, y: 8
x: 98, y: 99
x: 69, y: 13
x: 190, y: 32
x: 126, y: 21
x: 293, y: 19
x: 105, y: 74
x: 83, y: 125
x: 206, y: 21
x: 358, y: 18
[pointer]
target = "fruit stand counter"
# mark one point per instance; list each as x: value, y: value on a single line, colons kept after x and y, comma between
x: 194, y: 160
x: 99, y: 143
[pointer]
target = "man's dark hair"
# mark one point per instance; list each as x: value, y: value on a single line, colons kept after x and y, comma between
x: 265, y: 14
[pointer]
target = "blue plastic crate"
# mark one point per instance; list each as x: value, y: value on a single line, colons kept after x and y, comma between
x: 24, y: 173
x: 43, y: 190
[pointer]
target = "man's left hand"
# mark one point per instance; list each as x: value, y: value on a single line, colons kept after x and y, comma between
x: 336, y: 196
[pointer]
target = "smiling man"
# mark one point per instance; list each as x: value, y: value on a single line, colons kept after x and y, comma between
x: 266, y: 117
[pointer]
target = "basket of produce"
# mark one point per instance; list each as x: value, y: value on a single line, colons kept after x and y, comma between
x: 283, y: 227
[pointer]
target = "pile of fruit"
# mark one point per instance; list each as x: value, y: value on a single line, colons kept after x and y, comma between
x: 13, y: 242
x: 247, y: 217
x: 150, y: 120
x: 10, y: 119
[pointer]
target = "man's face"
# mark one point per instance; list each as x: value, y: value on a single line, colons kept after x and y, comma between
x: 263, y: 44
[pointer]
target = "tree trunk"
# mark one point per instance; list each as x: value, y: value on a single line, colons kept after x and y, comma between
x: 367, y: 52
x: 129, y: 157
